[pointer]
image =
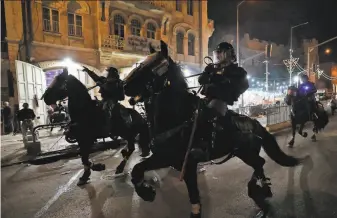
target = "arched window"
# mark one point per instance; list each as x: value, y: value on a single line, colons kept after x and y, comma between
x: 135, y: 27
x: 180, y: 42
x: 165, y: 26
x: 190, y: 7
x: 178, y: 5
x: 118, y: 26
x: 191, y: 44
x: 151, y: 31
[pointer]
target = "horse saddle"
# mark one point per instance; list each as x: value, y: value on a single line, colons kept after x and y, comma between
x: 238, y: 122
x: 125, y: 114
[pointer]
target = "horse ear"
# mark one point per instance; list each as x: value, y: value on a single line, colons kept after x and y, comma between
x: 163, y: 48
x: 152, y: 50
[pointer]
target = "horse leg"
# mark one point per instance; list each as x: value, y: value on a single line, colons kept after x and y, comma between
x: 258, y: 192
x: 191, y: 182
x: 315, y: 131
x: 85, y: 147
x: 126, y: 153
x: 144, y: 140
x: 304, y: 134
x: 143, y: 188
x: 84, y: 152
x: 293, y: 129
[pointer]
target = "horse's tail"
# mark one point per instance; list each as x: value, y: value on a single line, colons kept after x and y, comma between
x: 274, y: 151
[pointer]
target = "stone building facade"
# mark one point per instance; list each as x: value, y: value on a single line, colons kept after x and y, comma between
x: 98, y: 34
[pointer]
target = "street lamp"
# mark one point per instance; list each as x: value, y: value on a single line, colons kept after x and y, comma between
x: 327, y: 51
x: 291, y: 49
x: 310, y: 49
x: 237, y: 32
x: 237, y: 42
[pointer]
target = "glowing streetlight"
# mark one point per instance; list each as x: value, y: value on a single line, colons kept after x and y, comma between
x: 296, y: 78
x: 327, y: 51
x: 186, y: 72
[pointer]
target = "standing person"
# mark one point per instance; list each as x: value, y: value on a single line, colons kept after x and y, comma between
x: 333, y: 104
x: 26, y: 115
x: 7, y: 114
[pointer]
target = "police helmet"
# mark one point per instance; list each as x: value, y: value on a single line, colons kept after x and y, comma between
x: 304, y: 77
x: 224, y: 52
x: 112, y: 73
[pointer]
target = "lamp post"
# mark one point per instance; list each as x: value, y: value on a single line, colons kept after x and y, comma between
x: 237, y: 33
x: 311, y: 48
x: 237, y: 41
x: 291, y: 49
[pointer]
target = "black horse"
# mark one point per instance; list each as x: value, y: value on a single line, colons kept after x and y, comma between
x: 87, y: 120
x: 300, y: 115
x: 161, y: 80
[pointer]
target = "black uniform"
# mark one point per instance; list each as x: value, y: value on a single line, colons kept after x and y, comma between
x: 226, y: 84
x: 223, y: 83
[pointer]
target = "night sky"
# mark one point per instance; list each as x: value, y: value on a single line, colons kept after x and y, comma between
x: 272, y: 20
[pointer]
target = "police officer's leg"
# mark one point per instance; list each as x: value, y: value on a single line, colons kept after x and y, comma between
x: 31, y: 127
x: 215, y: 108
x: 24, y: 128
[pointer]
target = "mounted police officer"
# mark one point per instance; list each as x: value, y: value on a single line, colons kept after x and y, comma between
x: 112, y: 91
x: 223, y: 82
x: 307, y: 90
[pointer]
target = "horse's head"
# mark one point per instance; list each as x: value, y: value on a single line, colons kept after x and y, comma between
x: 154, y: 74
x: 57, y: 90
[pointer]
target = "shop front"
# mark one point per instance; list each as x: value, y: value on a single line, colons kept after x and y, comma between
x: 33, y: 80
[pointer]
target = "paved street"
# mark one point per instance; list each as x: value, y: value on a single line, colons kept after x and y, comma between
x: 50, y: 191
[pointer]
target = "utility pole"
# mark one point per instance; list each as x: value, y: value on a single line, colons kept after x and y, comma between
x: 267, y: 73
x: 292, y: 62
x: 237, y: 42
x: 310, y: 49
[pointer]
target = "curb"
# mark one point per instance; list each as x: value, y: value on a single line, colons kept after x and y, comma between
x: 278, y: 127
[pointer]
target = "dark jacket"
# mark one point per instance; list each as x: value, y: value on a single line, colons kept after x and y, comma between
x: 113, y: 90
x: 26, y: 114
x: 226, y: 84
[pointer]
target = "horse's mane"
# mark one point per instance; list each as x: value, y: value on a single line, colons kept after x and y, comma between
x: 176, y: 76
x: 78, y: 96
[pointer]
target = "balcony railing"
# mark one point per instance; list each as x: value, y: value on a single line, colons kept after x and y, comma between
x: 114, y: 42
x: 134, y: 44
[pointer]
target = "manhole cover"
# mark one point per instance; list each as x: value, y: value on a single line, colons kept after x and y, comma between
x: 111, y: 174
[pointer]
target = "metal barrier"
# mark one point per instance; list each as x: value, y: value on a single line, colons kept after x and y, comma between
x: 278, y: 114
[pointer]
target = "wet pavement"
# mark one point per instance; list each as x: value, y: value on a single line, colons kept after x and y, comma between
x: 50, y: 191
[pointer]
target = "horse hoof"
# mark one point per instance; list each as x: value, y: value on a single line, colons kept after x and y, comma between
x: 119, y: 170
x: 261, y: 214
x: 98, y: 167
x: 195, y: 215
x: 146, y: 192
x: 124, y: 152
x: 313, y: 139
x: 305, y: 134
x: 145, y: 154
x: 82, y: 181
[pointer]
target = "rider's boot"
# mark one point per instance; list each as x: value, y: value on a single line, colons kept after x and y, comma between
x: 107, y: 108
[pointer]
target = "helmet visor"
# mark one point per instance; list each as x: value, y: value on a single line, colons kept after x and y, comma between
x: 218, y: 56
